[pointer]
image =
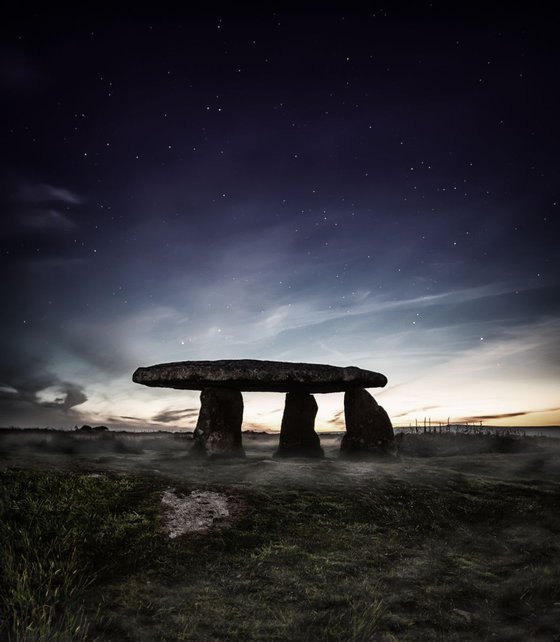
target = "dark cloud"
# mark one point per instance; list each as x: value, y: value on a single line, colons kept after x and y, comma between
x: 22, y: 383
x: 504, y: 415
x: 71, y: 395
x: 25, y: 374
x: 169, y: 416
x: 337, y: 418
x: 75, y: 395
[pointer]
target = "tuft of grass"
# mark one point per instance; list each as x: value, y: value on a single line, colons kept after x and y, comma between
x: 59, y: 535
x: 41, y: 591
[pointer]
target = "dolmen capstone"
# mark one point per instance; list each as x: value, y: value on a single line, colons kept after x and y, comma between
x: 218, y: 430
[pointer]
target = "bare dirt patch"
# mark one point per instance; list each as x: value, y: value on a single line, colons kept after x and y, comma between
x: 196, y: 512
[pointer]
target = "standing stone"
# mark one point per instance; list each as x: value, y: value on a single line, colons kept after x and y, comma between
x: 297, y: 434
x: 218, y: 430
x: 368, y: 427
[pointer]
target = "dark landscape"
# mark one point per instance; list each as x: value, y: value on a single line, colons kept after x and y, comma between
x: 455, y: 538
x: 280, y: 330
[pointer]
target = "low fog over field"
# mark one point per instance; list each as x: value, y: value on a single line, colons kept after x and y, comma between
x: 168, y: 454
x: 454, y: 538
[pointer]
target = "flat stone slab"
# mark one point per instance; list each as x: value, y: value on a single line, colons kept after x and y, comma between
x: 253, y: 375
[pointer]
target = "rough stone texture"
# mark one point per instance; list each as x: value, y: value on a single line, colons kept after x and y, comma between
x: 256, y: 375
x: 368, y: 427
x: 193, y: 513
x: 297, y: 434
x: 218, y: 430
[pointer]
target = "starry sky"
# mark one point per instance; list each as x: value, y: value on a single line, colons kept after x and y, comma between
x: 378, y: 189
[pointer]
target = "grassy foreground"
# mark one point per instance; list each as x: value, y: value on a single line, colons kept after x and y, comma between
x: 429, y: 556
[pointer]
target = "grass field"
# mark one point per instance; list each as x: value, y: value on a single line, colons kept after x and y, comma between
x: 452, y: 541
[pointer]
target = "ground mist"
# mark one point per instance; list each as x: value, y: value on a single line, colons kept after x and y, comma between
x: 451, y: 541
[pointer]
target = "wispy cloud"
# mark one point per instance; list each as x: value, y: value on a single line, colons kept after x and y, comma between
x: 515, y: 364
x: 40, y: 213
x: 218, y: 324
x: 43, y: 193
x: 49, y: 219
x: 337, y: 418
x: 172, y: 415
x: 505, y: 415
x: 414, y: 411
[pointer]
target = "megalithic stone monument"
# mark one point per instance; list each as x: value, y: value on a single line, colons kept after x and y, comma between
x: 368, y: 427
x: 297, y: 433
x: 218, y: 431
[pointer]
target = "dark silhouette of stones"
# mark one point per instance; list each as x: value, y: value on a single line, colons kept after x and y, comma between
x: 368, y: 427
x: 218, y: 430
x: 256, y: 375
x: 297, y: 434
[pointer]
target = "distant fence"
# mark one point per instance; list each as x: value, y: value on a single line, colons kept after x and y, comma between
x: 429, y: 427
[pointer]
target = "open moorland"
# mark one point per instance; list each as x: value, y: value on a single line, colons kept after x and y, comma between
x: 123, y: 537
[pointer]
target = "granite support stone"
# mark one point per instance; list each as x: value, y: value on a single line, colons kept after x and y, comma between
x: 368, y: 427
x: 218, y: 430
x: 297, y: 434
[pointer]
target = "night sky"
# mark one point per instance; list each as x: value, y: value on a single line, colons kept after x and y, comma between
x: 377, y: 189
